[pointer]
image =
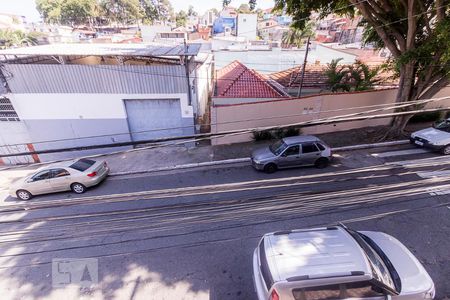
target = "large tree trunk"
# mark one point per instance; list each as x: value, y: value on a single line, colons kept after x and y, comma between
x: 404, y: 94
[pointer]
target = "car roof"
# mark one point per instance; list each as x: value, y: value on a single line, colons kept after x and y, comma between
x: 314, y: 253
x: 300, y: 139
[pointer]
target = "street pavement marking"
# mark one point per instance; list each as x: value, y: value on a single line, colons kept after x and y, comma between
x: 434, y: 174
x: 437, y: 191
x: 400, y: 153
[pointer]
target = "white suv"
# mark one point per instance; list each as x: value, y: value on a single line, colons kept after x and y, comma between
x: 337, y: 263
x: 436, y: 138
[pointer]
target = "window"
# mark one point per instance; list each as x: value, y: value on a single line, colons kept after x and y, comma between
x: 293, y: 150
x: 82, y: 164
x: 361, y: 289
x: 277, y: 147
x: 41, y: 176
x: 7, y: 112
x: 309, y: 148
x: 59, y: 173
x: 320, y: 146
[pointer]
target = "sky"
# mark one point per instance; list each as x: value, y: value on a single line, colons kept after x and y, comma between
x: 27, y: 8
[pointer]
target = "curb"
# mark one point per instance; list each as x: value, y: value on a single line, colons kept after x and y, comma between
x: 186, y: 166
x: 369, y: 146
x: 247, y: 159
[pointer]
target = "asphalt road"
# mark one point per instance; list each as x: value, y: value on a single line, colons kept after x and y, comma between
x: 191, y: 234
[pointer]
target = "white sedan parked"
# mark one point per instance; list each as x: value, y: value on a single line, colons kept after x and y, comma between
x: 75, y: 175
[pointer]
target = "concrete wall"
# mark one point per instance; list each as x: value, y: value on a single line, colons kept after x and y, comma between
x: 283, y: 112
x: 69, y: 120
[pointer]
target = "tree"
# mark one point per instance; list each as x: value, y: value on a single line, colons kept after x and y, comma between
x: 16, y: 38
x: 416, y: 32
x: 225, y: 3
x: 50, y: 10
x: 244, y: 8
x: 122, y: 11
x: 352, y: 77
x: 164, y: 10
x: 191, y: 11
x: 181, y: 18
x: 296, y: 37
x: 77, y: 12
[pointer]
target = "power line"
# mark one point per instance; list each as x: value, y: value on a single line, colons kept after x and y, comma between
x: 197, y: 137
x: 392, y: 106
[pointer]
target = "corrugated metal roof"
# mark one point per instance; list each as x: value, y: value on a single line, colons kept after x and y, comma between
x: 105, y: 50
x: 126, y: 79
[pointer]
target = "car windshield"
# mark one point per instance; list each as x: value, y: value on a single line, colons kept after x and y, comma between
x: 443, y: 125
x: 277, y: 147
x: 383, y: 271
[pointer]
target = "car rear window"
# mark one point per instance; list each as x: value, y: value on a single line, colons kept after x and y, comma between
x: 82, y: 164
x: 265, y: 266
x: 361, y: 289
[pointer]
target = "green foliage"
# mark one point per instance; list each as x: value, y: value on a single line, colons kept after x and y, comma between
x: 353, y: 77
x: 296, y: 37
x: 16, y: 38
x: 181, y: 18
x: 276, y: 133
x: 122, y: 11
x: 87, y: 12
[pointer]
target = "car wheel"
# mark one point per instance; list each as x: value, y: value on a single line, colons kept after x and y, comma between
x: 77, y: 188
x: 270, y: 168
x: 321, y: 163
x: 446, y: 150
x: 23, y: 195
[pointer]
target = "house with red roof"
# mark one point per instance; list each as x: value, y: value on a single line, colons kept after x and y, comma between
x: 314, y: 81
x: 236, y: 83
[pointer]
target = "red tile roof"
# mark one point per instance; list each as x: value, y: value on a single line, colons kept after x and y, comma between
x: 314, y: 77
x: 237, y: 81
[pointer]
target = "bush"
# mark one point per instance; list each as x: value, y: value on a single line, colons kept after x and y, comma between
x: 431, y: 116
x: 279, y: 133
x: 262, y: 135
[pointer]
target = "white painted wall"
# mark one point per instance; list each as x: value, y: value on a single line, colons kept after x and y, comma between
x: 83, y: 106
x: 246, y: 26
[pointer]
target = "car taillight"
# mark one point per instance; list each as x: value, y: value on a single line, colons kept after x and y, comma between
x: 92, y: 174
x: 274, y: 295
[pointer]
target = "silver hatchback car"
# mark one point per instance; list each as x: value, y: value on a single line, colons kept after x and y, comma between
x: 337, y: 263
x: 305, y: 150
x: 75, y: 175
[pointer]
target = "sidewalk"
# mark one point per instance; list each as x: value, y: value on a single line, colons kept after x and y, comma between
x: 163, y: 158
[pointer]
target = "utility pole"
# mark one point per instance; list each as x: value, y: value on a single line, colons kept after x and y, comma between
x: 299, y: 93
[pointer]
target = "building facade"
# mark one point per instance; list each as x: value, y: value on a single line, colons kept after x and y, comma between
x: 77, y: 96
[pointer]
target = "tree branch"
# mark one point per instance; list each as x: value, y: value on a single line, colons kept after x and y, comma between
x: 390, y: 44
x: 436, y: 87
x: 412, y: 26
